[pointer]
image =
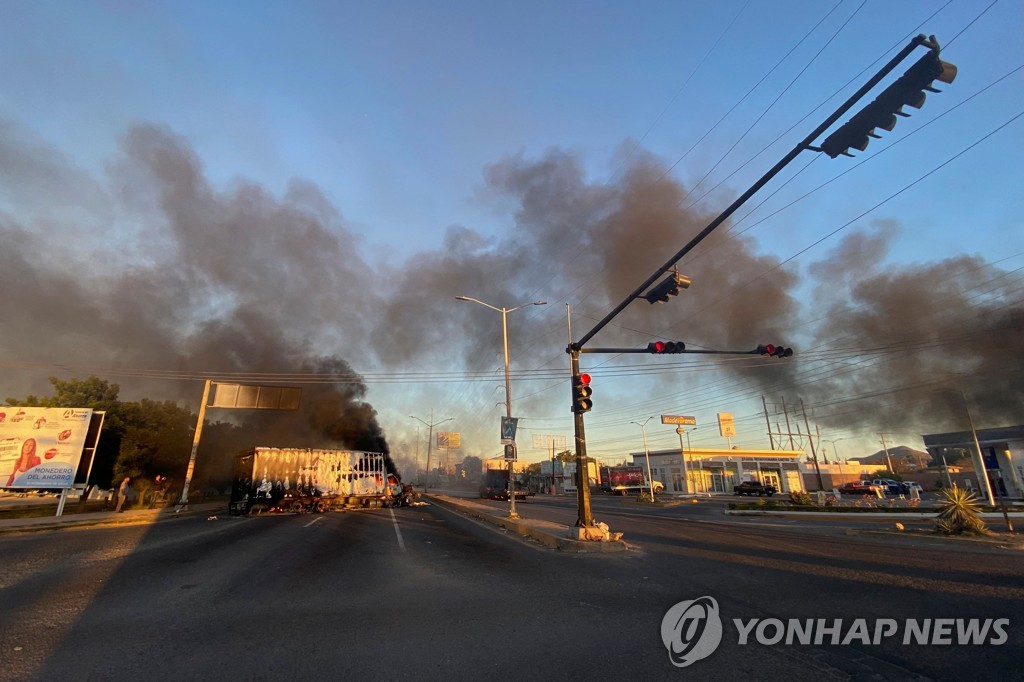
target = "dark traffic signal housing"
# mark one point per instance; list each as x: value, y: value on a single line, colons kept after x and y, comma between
x: 667, y: 288
x: 662, y: 347
x: 773, y: 350
x: 581, y: 392
x: 908, y: 90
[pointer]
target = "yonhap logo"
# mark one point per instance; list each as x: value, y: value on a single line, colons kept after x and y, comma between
x: 691, y: 630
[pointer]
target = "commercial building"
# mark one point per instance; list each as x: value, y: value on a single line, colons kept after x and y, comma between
x: 1002, y: 451
x: 717, y: 470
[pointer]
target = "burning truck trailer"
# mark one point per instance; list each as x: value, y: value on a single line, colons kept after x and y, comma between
x: 304, y: 480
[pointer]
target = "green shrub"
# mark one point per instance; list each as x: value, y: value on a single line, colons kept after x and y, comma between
x: 800, y: 498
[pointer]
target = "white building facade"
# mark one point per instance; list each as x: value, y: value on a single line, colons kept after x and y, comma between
x: 717, y: 470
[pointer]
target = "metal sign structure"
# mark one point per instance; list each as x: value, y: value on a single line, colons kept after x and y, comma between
x: 449, y: 439
x: 678, y: 419
x: 726, y: 425
x: 547, y: 441
x: 251, y: 397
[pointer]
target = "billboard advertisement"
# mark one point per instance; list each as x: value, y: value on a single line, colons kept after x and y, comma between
x: 41, y: 447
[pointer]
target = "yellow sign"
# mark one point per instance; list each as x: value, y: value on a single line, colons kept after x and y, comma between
x: 726, y: 425
x: 449, y: 439
x: 677, y: 419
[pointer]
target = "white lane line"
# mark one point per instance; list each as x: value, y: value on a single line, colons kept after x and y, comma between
x: 398, y: 531
x: 319, y: 518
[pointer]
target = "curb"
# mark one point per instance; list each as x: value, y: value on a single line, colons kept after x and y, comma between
x: 525, y: 529
x: 158, y: 517
x: 909, y: 516
x: 998, y: 542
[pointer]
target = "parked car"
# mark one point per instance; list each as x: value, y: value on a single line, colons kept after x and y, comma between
x: 907, y: 486
x: 888, y: 486
x: 753, y: 488
x: 858, y: 488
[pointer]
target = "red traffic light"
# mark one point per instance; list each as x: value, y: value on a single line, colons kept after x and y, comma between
x: 581, y: 392
x: 773, y: 350
x: 660, y: 347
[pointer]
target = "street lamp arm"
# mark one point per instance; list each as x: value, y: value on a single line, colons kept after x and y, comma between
x: 500, y: 310
x: 475, y: 300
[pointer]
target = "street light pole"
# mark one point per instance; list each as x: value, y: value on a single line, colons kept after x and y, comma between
x: 835, y: 454
x: 508, y: 389
x: 689, y: 449
x: 982, y: 472
x: 430, y: 437
x: 682, y: 455
x: 647, y: 455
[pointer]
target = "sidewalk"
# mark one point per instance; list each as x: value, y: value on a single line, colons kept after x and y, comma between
x: 548, y: 533
x: 108, y: 518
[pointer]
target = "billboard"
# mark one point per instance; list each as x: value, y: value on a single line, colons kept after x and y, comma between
x: 255, y: 397
x: 41, y: 447
x: 449, y: 439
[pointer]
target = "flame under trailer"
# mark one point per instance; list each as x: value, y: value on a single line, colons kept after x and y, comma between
x: 303, y: 480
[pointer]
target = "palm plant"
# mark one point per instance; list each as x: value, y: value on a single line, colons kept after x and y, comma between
x: 959, y: 512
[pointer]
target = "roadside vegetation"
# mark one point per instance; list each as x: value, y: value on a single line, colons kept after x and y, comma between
x: 959, y: 513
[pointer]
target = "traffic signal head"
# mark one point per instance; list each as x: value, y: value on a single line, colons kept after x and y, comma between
x: 581, y: 392
x: 774, y: 351
x: 907, y: 90
x: 667, y: 288
x: 662, y: 347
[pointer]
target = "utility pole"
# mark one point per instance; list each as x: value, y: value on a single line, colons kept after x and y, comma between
x: 888, y: 459
x: 430, y: 438
x: 814, y: 454
x: 647, y: 455
x: 771, y: 437
x: 789, y: 429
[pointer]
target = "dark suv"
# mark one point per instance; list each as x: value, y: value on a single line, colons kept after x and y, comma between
x: 753, y: 488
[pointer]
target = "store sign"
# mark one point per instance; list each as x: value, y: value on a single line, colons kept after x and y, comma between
x: 41, y: 447
x: 678, y: 419
x: 726, y: 425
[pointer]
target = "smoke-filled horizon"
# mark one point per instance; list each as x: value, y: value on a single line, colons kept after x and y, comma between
x: 152, y: 268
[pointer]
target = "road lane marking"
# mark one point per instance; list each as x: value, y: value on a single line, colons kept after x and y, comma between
x: 398, y: 531
x: 319, y: 518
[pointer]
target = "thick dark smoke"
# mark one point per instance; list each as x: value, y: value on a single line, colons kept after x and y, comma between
x: 153, y: 268
x: 917, y: 335
x: 589, y: 244
x: 182, y: 277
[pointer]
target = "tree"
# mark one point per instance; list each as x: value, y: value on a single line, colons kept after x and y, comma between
x: 566, y: 456
x: 473, y: 466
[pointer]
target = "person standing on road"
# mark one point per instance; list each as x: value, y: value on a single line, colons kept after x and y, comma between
x: 122, y: 493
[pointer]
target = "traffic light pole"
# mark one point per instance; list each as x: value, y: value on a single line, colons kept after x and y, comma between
x: 585, y: 517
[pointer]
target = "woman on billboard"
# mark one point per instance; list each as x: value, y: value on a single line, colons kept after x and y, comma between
x: 28, y: 459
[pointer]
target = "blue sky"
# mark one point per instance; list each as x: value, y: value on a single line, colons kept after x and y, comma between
x: 398, y: 111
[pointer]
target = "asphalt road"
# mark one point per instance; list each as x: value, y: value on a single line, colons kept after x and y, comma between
x: 424, y: 593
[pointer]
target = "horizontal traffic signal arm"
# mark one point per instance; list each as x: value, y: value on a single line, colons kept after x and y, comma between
x: 760, y: 350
